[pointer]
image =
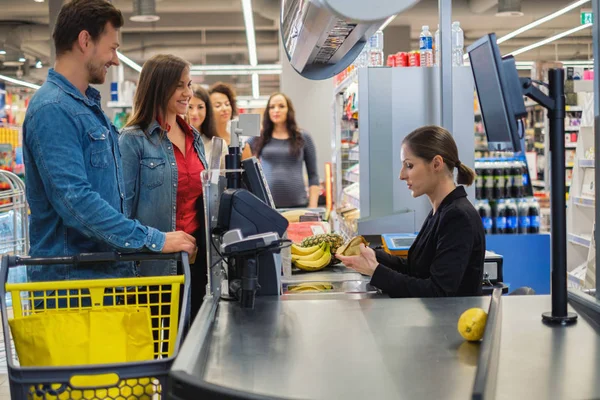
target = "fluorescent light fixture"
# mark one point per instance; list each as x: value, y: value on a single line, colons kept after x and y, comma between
x: 227, y: 72
x: 549, y: 40
x: 2, y: 52
x: 238, y: 67
x: 255, y: 86
x: 542, y: 20
x: 129, y: 62
x: 19, y: 82
x: 387, y: 22
x: 22, y: 59
x: 39, y: 64
x: 250, y: 36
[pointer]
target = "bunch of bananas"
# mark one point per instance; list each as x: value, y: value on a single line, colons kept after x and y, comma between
x: 311, y: 287
x: 313, y: 258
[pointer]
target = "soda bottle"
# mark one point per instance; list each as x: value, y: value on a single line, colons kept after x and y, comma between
x: 426, y: 47
x: 534, y: 216
x: 500, y: 218
x: 517, y: 173
x: 478, y: 180
x: 499, y: 180
x: 523, y: 216
x: 512, y: 217
x: 508, y: 178
x: 487, y: 174
x: 485, y: 212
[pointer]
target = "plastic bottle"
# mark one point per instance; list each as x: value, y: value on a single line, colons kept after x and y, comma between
x: 426, y: 47
x: 488, y: 180
x: 518, y: 185
x: 478, y: 181
x: 499, y: 180
x: 534, y: 216
x: 376, y: 49
x: 523, y: 216
x: 500, y: 218
x: 512, y: 217
x: 458, y: 44
x: 485, y: 212
x: 437, y: 45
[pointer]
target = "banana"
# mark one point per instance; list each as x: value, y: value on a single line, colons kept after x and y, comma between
x: 304, y: 251
x: 315, y: 265
x: 309, y: 257
x: 311, y: 287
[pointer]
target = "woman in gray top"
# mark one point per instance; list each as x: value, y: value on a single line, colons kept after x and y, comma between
x: 283, y: 150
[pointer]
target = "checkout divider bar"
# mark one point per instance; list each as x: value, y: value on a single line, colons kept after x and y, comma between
x: 486, y: 376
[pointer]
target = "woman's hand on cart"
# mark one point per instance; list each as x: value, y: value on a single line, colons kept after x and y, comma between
x: 179, y: 241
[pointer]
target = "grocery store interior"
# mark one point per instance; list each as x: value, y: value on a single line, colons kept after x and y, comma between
x: 361, y: 77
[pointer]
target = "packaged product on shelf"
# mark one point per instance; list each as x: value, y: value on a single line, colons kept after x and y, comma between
x: 499, y: 212
x: 512, y: 217
x: 499, y: 180
x: 485, y: 212
x: 402, y: 59
x: 426, y: 47
x: 414, y: 59
x: 524, y: 223
x: 534, y: 216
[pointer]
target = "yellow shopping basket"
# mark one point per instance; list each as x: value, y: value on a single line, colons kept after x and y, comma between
x: 97, y: 338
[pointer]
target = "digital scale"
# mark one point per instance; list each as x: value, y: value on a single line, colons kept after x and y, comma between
x: 397, y: 244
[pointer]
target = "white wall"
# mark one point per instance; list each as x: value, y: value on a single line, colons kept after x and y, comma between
x: 313, y: 101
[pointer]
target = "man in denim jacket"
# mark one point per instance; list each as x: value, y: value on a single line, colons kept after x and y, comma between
x: 73, y: 167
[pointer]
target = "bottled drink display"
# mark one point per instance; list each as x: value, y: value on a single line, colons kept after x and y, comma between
x: 426, y: 47
x: 500, y: 178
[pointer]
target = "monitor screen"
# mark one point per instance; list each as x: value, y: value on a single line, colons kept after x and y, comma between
x: 494, y: 95
x: 255, y: 181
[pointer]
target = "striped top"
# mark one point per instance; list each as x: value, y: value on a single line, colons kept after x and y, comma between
x: 284, y: 172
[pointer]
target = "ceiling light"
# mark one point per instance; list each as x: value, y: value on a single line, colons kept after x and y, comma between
x: 509, y: 8
x: 129, y: 62
x: 541, y: 21
x: 144, y: 11
x: 19, y: 82
x: 39, y: 64
x: 387, y: 22
x: 225, y: 72
x: 549, y: 40
x: 22, y: 59
x: 250, y: 36
x: 238, y: 67
x: 2, y: 52
x: 39, y: 1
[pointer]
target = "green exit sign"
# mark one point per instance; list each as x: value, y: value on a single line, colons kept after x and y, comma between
x: 587, y: 17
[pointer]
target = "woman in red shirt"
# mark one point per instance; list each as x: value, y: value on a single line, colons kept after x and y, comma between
x: 163, y: 157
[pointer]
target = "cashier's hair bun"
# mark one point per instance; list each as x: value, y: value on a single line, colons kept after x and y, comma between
x: 429, y: 141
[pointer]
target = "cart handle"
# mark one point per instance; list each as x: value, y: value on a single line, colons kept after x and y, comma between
x: 14, y: 261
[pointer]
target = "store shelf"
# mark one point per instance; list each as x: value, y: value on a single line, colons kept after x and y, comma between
x: 572, y: 128
x: 352, y: 176
x: 580, y: 239
x: 116, y: 104
x: 538, y: 183
x: 586, y: 163
x: 571, y: 146
x: 353, y: 201
x: 584, y: 201
x: 573, y: 108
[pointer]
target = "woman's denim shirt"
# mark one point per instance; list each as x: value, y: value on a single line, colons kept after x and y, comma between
x: 150, y: 174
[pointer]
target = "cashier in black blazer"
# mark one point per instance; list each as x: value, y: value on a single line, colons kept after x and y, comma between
x: 446, y: 258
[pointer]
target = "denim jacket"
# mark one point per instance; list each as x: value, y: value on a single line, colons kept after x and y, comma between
x: 150, y: 172
x: 74, y: 183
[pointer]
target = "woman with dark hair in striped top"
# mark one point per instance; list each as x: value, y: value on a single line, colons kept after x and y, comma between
x: 284, y: 150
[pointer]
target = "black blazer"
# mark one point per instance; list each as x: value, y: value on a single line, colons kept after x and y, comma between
x: 446, y: 258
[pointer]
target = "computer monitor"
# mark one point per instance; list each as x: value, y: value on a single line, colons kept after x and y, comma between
x: 255, y: 182
x: 497, y: 91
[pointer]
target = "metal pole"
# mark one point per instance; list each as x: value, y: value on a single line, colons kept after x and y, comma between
x: 445, y: 63
x: 596, y: 38
x: 556, y: 115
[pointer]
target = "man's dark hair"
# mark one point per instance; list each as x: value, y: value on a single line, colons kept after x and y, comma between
x: 83, y: 15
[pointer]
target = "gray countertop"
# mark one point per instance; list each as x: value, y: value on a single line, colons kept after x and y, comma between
x: 392, y: 349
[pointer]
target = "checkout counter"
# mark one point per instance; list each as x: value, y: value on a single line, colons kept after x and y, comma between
x: 353, y: 342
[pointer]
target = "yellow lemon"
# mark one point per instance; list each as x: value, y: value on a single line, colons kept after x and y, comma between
x: 471, y: 324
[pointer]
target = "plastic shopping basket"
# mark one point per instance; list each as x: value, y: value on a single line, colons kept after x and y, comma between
x: 157, y: 297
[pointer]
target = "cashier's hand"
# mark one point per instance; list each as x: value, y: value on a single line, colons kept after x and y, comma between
x: 366, y: 263
x: 176, y: 242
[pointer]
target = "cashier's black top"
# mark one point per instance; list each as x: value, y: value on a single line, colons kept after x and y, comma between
x: 446, y: 258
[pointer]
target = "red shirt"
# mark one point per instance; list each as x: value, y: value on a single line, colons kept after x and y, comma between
x: 189, y: 184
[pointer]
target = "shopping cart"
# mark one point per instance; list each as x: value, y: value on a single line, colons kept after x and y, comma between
x: 132, y: 380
